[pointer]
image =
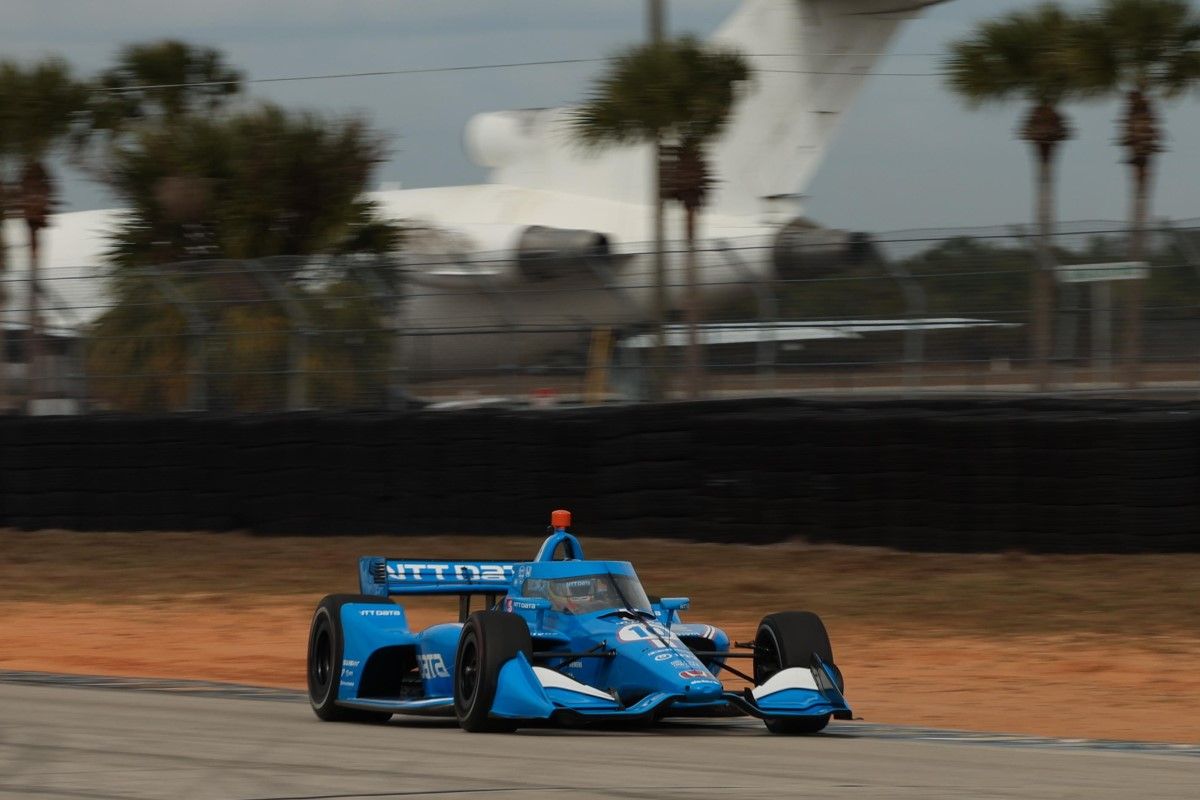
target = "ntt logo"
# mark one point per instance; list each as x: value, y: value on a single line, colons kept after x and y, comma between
x: 423, y: 571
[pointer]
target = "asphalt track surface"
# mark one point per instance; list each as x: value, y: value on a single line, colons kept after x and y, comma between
x: 117, y: 738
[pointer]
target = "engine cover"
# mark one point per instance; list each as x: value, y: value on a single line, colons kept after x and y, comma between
x: 803, y: 248
x: 544, y: 253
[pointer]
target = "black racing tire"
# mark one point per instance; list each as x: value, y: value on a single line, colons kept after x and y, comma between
x: 789, y: 639
x: 488, y: 640
x: 325, y: 643
x: 797, y: 726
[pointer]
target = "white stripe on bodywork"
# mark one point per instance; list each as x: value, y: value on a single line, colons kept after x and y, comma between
x: 791, y: 678
x: 556, y: 680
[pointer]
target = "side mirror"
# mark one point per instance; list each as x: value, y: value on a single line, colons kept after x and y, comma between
x: 670, y: 604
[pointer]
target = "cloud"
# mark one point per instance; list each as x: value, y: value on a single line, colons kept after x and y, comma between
x: 908, y: 155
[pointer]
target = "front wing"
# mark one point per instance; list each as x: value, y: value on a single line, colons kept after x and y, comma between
x: 528, y: 692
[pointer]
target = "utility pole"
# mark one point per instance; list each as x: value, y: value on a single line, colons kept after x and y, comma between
x: 656, y: 25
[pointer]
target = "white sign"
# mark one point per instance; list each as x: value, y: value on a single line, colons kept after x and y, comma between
x: 1090, y: 273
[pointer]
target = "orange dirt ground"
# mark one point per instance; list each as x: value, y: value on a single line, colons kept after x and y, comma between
x: 1087, y: 669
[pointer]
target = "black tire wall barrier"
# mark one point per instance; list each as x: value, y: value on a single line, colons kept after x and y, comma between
x: 1057, y: 476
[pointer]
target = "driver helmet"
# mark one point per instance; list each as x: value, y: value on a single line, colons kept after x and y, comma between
x: 574, y: 594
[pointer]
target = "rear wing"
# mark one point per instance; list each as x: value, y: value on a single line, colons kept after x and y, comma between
x: 415, y: 576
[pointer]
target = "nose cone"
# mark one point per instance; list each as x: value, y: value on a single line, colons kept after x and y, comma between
x: 702, y: 689
x: 652, y: 659
x: 672, y: 670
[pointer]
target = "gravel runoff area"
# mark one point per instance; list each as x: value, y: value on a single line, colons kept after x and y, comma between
x: 1074, y: 646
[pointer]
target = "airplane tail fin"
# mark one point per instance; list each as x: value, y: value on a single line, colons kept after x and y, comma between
x: 810, y: 59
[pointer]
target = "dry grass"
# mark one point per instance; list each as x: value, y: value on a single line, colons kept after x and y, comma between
x: 1108, y: 643
x: 914, y: 594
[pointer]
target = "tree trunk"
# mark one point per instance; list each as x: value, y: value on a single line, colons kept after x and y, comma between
x: 1136, y: 291
x: 687, y: 183
x: 1045, y: 128
x: 1041, y: 301
x: 37, y: 191
x: 695, y: 359
x: 33, y: 349
x: 656, y: 385
x: 1142, y: 140
x: 4, y: 295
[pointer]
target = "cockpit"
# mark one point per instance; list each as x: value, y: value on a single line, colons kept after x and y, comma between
x: 585, y: 594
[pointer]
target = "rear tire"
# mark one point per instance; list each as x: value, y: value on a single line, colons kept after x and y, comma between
x: 488, y: 640
x: 788, y: 639
x: 325, y: 650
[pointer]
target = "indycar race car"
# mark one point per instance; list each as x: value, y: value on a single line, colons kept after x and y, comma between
x: 560, y: 639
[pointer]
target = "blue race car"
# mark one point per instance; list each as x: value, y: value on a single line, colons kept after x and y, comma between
x: 561, y: 639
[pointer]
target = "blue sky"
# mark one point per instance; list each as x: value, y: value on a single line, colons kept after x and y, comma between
x: 909, y: 154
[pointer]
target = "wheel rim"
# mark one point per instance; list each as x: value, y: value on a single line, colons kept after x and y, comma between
x: 767, y: 658
x: 468, y: 671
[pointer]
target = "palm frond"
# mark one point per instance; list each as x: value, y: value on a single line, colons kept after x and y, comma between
x: 674, y: 89
x: 1031, y: 54
x: 1152, y: 46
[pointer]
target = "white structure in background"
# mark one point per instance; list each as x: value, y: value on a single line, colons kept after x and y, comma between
x: 568, y: 225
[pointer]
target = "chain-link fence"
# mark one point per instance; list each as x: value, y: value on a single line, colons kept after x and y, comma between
x: 931, y: 310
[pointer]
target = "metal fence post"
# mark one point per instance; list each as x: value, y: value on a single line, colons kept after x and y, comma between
x: 300, y: 331
x: 766, y: 348
x: 386, y: 291
x: 79, y: 361
x: 916, y: 305
x: 1186, y: 247
x: 1184, y: 244
x: 1066, y: 332
x: 487, y: 287
x: 608, y: 280
x: 198, y: 329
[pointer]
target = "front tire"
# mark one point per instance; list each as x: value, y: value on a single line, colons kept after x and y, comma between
x: 325, y: 649
x: 789, y: 639
x: 489, y: 639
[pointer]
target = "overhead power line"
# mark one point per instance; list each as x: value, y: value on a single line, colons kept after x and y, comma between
x: 851, y: 72
x: 374, y: 74
x: 510, y: 65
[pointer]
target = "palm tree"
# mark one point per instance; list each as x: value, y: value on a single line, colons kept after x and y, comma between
x: 268, y: 182
x: 171, y: 79
x: 259, y: 184
x: 154, y: 83
x: 1031, y: 56
x: 9, y: 75
x: 681, y: 93
x: 46, y: 102
x: 1149, y: 51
